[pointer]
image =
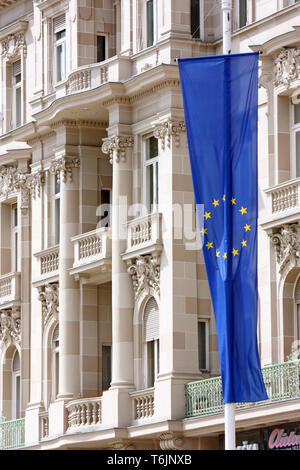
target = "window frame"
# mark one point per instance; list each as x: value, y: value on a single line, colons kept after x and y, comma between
x: 16, y: 374
x: 14, y: 238
x: 206, y: 321
x: 16, y: 87
x: 295, y: 128
x: 56, y: 218
x: 54, y: 366
x: 98, y: 34
x: 146, y: 163
x: 57, y: 43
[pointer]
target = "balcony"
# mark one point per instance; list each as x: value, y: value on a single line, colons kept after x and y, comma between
x: 48, y: 264
x: 282, y: 382
x: 84, y: 413
x: 283, y: 204
x: 92, y: 256
x: 143, y: 404
x: 9, y: 289
x: 144, y: 236
x: 12, y: 434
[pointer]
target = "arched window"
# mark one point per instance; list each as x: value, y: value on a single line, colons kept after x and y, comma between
x: 151, y: 342
x: 55, y: 363
x: 297, y: 310
x: 16, y: 386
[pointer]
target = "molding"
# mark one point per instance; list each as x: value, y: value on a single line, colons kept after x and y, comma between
x: 145, y: 273
x: 164, y: 131
x: 170, y: 441
x: 116, y: 147
x: 63, y: 167
x: 13, y: 45
x: 287, y: 244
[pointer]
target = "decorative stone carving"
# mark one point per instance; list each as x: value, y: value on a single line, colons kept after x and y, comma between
x: 49, y: 296
x: 10, y: 325
x: 62, y: 167
x: 287, y: 244
x: 12, y: 45
x: 12, y: 179
x: 145, y: 273
x: 287, y: 66
x: 122, y: 445
x: 169, y: 441
x: 166, y: 130
x: 116, y: 147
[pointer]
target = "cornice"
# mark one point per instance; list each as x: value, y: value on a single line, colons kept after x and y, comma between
x: 14, y: 28
x: 275, y: 44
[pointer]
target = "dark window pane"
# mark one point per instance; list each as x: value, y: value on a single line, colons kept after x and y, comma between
x: 100, y: 48
x: 243, y: 13
x: 201, y: 345
x: 150, y: 354
x: 195, y: 18
x: 106, y: 367
x: 150, y: 29
x: 151, y: 148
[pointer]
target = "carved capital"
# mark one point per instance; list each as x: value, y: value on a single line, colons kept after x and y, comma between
x: 116, y: 147
x: 166, y: 130
x: 49, y: 296
x: 12, y: 45
x: 10, y: 326
x: 63, y: 167
x: 287, y: 66
x: 169, y: 441
x: 287, y: 244
x: 145, y: 273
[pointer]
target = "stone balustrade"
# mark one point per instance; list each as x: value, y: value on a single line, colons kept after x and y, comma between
x: 9, y: 287
x: 84, y: 412
x: 284, y: 197
x: 144, y: 231
x: 49, y: 261
x: 92, y: 245
x: 143, y: 404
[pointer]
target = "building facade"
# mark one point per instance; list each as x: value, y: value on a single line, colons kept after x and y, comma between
x: 107, y: 335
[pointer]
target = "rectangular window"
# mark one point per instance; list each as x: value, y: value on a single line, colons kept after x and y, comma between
x: 296, y: 139
x: 60, y: 47
x: 202, y: 345
x: 101, y: 48
x: 56, y: 211
x: 242, y: 13
x: 17, y: 94
x: 106, y: 207
x: 106, y: 367
x: 195, y: 18
x: 151, y: 174
x: 18, y: 396
x: 150, y: 23
x: 14, y: 239
x: 152, y: 348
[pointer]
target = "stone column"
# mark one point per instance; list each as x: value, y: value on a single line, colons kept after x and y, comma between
x: 117, y: 405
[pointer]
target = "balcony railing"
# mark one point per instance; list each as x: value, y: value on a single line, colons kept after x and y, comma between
x: 49, y: 261
x: 12, y: 434
x: 84, y: 412
x: 91, y: 246
x: 9, y: 288
x: 143, y: 232
x: 284, y: 196
x: 143, y: 404
x: 282, y: 382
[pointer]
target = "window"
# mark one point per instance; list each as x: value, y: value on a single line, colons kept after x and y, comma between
x: 14, y: 238
x: 296, y: 139
x: 151, y: 174
x: 16, y: 386
x: 106, y: 207
x: 55, y: 363
x: 106, y: 367
x: 195, y: 18
x: 101, y: 48
x: 59, y: 31
x: 242, y: 13
x: 17, y: 93
x: 203, y: 344
x: 56, y: 211
x: 150, y: 23
x: 151, y: 342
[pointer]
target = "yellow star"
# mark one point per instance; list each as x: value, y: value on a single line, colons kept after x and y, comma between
x: 207, y: 215
x: 224, y: 198
x: 247, y: 227
x: 216, y: 203
x: 244, y: 243
x: 225, y: 256
x: 209, y: 245
x: 203, y: 231
x: 243, y: 210
x: 235, y: 252
x: 217, y: 254
x: 233, y: 201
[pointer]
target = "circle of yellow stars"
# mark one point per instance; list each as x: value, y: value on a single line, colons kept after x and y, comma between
x: 247, y: 228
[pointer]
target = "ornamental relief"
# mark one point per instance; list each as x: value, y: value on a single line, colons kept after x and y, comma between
x: 287, y: 244
x: 145, y: 273
x: 116, y: 147
x: 49, y: 296
x: 13, y: 45
x: 287, y: 66
x: 10, y: 326
x: 63, y: 167
x: 166, y: 130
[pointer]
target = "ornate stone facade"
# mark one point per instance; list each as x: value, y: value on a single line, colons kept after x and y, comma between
x: 145, y: 273
x: 166, y: 130
x: 116, y: 147
x: 169, y: 441
x: 49, y: 296
x: 63, y: 167
x: 12, y: 45
x: 287, y: 244
x: 10, y: 325
x: 287, y: 66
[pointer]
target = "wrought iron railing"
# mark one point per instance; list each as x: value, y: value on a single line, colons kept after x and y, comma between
x: 282, y: 382
x: 12, y: 434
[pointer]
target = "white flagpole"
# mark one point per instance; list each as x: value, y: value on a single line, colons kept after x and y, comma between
x: 230, y: 443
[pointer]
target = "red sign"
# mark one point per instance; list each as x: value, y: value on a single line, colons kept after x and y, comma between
x: 279, y: 439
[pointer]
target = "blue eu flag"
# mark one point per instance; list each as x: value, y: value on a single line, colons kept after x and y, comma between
x: 220, y: 105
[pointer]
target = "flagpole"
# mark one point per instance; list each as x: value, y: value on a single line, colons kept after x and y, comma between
x: 229, y: 410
